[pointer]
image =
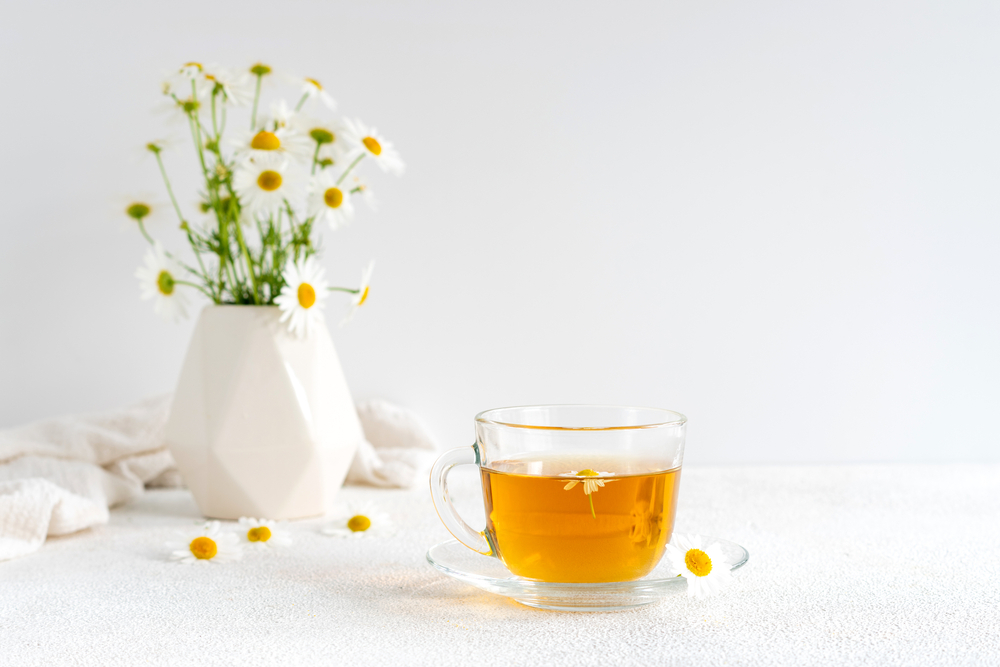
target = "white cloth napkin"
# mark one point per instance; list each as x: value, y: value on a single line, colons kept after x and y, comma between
x: 60, y: 475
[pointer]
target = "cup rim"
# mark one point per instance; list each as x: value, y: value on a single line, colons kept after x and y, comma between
x: 679, y: 419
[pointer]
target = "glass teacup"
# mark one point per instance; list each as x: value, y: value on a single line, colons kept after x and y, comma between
x: 572, y: 493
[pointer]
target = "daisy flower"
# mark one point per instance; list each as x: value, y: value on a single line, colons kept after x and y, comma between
x: 329, y: 201
x: 179, y: 83
x: 311, y: 88
x: 282, y: 115
x: 301, y: 299
x: 236, y: 85
x: 360, y: 520
x: 591, y: 483
x: 366, y: 193
x: 264, y: 183
x: 158, y: 280
x: 368, y: 142
x: 362, y: 294
x: 265, y: 533
x: 704, y: 567
x: 329, y: 134
x: 280, y: 140
x: 209, y: 545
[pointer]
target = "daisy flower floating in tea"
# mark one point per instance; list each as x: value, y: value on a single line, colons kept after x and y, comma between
x: 591, y: 483
x: 210, y: 545
x: 265, y: 533
x: 360, y: 520
x: 704, y: 566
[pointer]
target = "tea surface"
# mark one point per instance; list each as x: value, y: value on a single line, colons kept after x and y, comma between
x: 612, y: 524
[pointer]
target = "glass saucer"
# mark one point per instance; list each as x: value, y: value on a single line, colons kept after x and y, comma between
x: 489, y: 574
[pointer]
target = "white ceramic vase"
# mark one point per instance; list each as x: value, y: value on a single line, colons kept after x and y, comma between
x: 262, y: 423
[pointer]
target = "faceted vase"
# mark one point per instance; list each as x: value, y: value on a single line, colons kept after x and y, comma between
x: 262, y: 423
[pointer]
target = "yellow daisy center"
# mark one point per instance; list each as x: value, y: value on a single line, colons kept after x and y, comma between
x: 364, y: 296
x: 333, y: 197
x: 698, y: 562
x: 137, y: 211
x: 259, y: 534
x: 587, y: 472
x: 204, y: 548
x: 269, y: 180
x: 372, y: 144
x: 265, y: 141
x: 359, y: 523
x: 165, y: 283
x: 260, y: 69
x: 194, y: 64
x: 307, y: 295
x: 315, y: 83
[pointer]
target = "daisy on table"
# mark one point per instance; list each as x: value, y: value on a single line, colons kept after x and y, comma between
x: 368, y: 142
x: 301, y: 299
x: 159, y: 280
x: 208, y: 545
x: 363, y: 519
x: 265, y: 533
x: 264, y: 183
x: 704, y: 566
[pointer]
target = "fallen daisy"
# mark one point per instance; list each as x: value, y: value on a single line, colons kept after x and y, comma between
x: 265, y: 533
x: 360, y: 520
x: 705, y: 568
x: 210, y: 544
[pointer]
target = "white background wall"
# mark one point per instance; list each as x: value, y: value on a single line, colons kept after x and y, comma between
x: 780, y: 218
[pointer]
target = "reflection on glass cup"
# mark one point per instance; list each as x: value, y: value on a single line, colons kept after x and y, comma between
x: 573, y: 493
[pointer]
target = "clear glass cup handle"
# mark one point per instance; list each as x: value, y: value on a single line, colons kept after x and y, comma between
x: 464, y: 533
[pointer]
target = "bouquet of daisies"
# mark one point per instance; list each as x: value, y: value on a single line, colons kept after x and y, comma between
x: 267, y: 186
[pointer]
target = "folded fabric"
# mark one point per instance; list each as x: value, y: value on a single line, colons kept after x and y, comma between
x: 60, y: 475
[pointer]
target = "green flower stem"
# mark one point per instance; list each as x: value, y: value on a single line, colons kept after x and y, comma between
x: 170, y: 190
x: 177, y: 208
x: 344, y: 289
x: 256, y: 99
x: 315, y: 158
x: 215, y: 125
x: 243, y: 248
x: 349, y: 168
x: 222, y: 123
x: 302, y: 101
x: 142, y: 228
x: 197, y: 287
x: 590, y: 497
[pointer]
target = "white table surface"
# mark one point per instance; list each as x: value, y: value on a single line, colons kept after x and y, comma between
x: 852, y: 565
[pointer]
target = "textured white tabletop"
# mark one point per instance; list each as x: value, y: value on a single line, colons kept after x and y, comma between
x: 849, y: 565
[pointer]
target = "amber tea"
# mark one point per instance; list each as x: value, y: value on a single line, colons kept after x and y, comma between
x: 570, y: 518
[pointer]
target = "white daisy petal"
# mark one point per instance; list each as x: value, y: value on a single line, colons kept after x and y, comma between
x: 264, y: 183
x: 264, y: 533
x: 208, y: 545
x: 329, y: 201
x: 302, y: 298
x: 359, y: 520
x: 158, y: 281
x: 704, y: 567
x: 368, y: 142
x: 359, y: 299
